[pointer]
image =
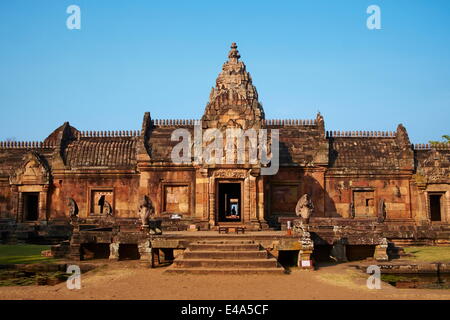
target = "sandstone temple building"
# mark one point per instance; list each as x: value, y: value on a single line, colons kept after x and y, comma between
x: 371, y: 182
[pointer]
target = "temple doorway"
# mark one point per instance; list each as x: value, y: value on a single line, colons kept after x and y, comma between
x: 31, y: 206
x: 229, y: 202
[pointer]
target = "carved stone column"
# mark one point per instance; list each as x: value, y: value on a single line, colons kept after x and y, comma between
x: 246, y: 200
x: 19, y: 205
x: 253, y: 195
x: 201, y: 194
x: 212, y: 201
x: 43, y: 203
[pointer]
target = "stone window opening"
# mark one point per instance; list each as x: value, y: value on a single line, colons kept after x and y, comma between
x: 101, y: 201
x: 435, y: 201
x: 31, y: 206
x: 364, y: 203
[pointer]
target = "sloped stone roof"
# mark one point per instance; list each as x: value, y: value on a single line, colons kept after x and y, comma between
x: 111, y: 152
x: 364, y: 153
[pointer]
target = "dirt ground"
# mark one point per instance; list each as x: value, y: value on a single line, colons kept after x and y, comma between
x: 131, y: 280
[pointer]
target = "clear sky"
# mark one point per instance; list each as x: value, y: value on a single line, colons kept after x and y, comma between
x: 135, y: 56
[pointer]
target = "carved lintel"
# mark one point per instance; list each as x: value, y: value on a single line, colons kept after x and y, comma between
x: 230, y: 174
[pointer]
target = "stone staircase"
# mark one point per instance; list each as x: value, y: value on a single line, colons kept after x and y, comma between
x: 225, y: 257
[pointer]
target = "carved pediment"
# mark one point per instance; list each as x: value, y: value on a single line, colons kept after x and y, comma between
x: 431, y: 170
x: 32, y: 171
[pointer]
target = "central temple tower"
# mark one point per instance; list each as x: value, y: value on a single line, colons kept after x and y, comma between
x: 233, y: 102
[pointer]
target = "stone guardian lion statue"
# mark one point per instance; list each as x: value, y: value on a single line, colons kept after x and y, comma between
x: 145, y: 210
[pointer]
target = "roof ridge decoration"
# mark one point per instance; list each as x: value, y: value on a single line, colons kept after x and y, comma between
x: 233, y: 102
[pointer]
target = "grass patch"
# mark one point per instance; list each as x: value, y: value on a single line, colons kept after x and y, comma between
x: 21, y: 278
x: 397, y: 278
x: 428, y: 254
x: 23, y: 253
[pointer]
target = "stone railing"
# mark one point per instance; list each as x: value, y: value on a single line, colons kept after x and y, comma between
x: 174, y: 122
x: 362, y: 134
x: 24, y: 145
x: 290, y: 122
x: 428, y: 146
x: 109, y: 134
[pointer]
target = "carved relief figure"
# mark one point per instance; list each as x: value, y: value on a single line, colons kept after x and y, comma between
x: 73, y: 210
x: 304, y: 207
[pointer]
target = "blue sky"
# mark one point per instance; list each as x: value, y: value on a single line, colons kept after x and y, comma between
x: 135, y: 56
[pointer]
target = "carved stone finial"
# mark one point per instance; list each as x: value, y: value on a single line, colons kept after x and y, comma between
x: 233, y: 55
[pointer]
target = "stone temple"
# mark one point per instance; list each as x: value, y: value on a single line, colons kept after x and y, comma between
x: 366, y: 187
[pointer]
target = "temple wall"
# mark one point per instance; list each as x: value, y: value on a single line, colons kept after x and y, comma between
x: 171, y: 191
x: 122, y: 190
x: 366, y: 193
x: 421, y: 202
x: 285, y: 189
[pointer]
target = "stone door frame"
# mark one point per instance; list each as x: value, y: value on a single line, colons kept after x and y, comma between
x: 242, y: 199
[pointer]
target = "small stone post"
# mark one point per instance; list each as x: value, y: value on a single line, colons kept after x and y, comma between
x: 145, y: 251
x: 381, y: 251
x: 75, y: 246
x: 114, y: 251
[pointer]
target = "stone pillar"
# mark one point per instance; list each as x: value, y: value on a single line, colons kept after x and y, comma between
x: 381, y: 251
x: 43, y: 204
x: 114, y: 251
x: 246, y: 201
x: 212, y: 201
x: 201, y: 194
x: 307, y: 246
x: 19, y: 215
x: 260, y: 202
x: 145, y: 251
x: 253, y: 194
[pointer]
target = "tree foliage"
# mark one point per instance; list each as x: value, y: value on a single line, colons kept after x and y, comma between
x: 446, y: 138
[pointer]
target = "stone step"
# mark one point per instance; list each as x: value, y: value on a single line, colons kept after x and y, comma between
x: 224, y: 247
x: 239, y: 255
x: 227, y: 241
x: 225, y: 263
x: 227, y: 271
